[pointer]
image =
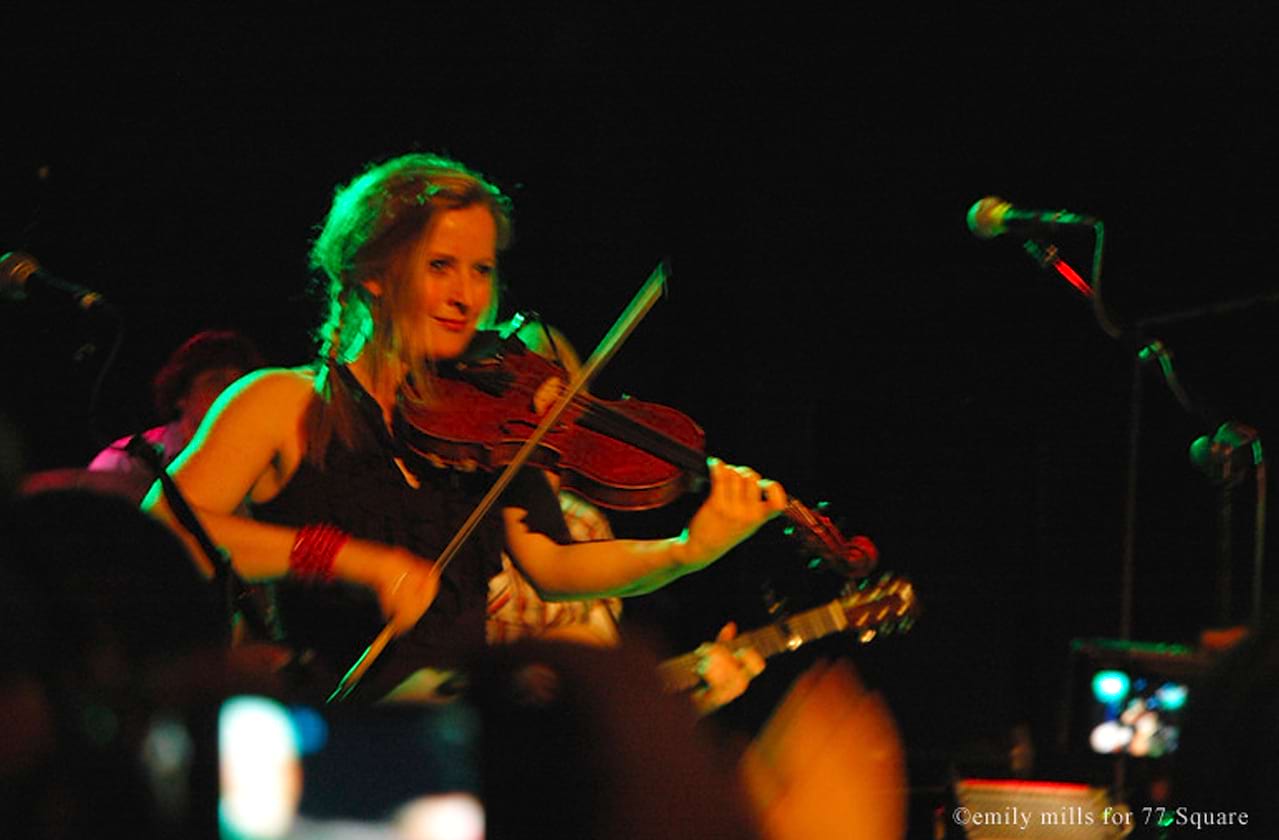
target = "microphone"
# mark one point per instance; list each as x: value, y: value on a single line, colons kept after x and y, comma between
x: 1226, y: 456
x: 21, y: 276
x: 992, y: 216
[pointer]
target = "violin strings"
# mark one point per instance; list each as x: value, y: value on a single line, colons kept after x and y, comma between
x: 644, y: 437
x: 665, y: 447
x: 617, y: 425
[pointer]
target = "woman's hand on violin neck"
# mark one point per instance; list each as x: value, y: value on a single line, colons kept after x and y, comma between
x: 740, y: 502
x: 405, y: 583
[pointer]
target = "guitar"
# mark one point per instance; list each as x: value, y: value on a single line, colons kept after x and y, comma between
x: 883, y: 607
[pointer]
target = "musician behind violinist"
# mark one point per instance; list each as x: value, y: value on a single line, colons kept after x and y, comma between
x: 516, y: 611
x: 341, y: 516
x: 183, y: 389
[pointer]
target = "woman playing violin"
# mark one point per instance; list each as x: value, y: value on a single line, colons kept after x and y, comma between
x: 342, y: 519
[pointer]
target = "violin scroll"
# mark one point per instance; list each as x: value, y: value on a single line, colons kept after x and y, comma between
x: 854, y: 558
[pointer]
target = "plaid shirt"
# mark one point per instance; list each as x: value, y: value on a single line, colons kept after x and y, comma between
x: 515, y: 611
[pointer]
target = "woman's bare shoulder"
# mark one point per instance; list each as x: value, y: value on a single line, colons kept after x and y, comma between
x: 266, y: 393
x: 274, y: 383
x: 280, y: 377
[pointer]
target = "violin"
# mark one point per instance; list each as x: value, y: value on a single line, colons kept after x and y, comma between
x: 622, y: 454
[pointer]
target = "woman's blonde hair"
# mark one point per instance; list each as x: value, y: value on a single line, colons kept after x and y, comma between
x: 372, y: 232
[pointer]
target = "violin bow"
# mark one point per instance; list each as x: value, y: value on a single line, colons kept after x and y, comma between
x: 620, y: 331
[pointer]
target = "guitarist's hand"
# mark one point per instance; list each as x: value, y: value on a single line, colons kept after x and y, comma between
x: 726, y: 674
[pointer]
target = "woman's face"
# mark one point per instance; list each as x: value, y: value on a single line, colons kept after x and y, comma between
x: 453, y: 282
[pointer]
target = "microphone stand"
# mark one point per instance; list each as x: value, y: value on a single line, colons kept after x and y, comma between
x: 1243, y: 436
x: 1229, y: 435
x: 1047, y: 256
x: 1144, y: 351
x: 236, y: 596
x: 1220, y: 465
x: 1229, y: 438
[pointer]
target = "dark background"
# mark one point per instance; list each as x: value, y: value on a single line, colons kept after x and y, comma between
x: 830, y: 320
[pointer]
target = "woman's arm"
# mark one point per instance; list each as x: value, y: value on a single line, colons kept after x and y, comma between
x: 248, y: 440
x: 738, y: 504
x: 250, y: 443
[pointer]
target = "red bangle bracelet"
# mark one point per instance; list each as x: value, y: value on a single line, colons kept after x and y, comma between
x: 314, y: 551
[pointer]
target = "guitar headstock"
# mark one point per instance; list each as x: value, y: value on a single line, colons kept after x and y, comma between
x: 854, y: 558
x: 888, y: 605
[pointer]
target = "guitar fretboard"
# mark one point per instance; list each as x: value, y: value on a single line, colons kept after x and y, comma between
x: 865, y: 609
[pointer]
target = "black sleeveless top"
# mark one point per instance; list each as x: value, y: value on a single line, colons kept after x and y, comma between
x: 364, y: 493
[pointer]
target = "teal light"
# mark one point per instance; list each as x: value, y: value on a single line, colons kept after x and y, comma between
x: 1110, y: 686
x: 1172, y: 696
x: 259, y: 769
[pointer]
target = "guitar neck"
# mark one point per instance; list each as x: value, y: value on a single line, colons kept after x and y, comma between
x: 680, y: 673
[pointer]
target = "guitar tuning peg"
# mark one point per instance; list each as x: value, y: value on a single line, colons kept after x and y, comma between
x: 789, y: 530
x: 815, y: 563
x: 866, y: 636
x: 822, y: 506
